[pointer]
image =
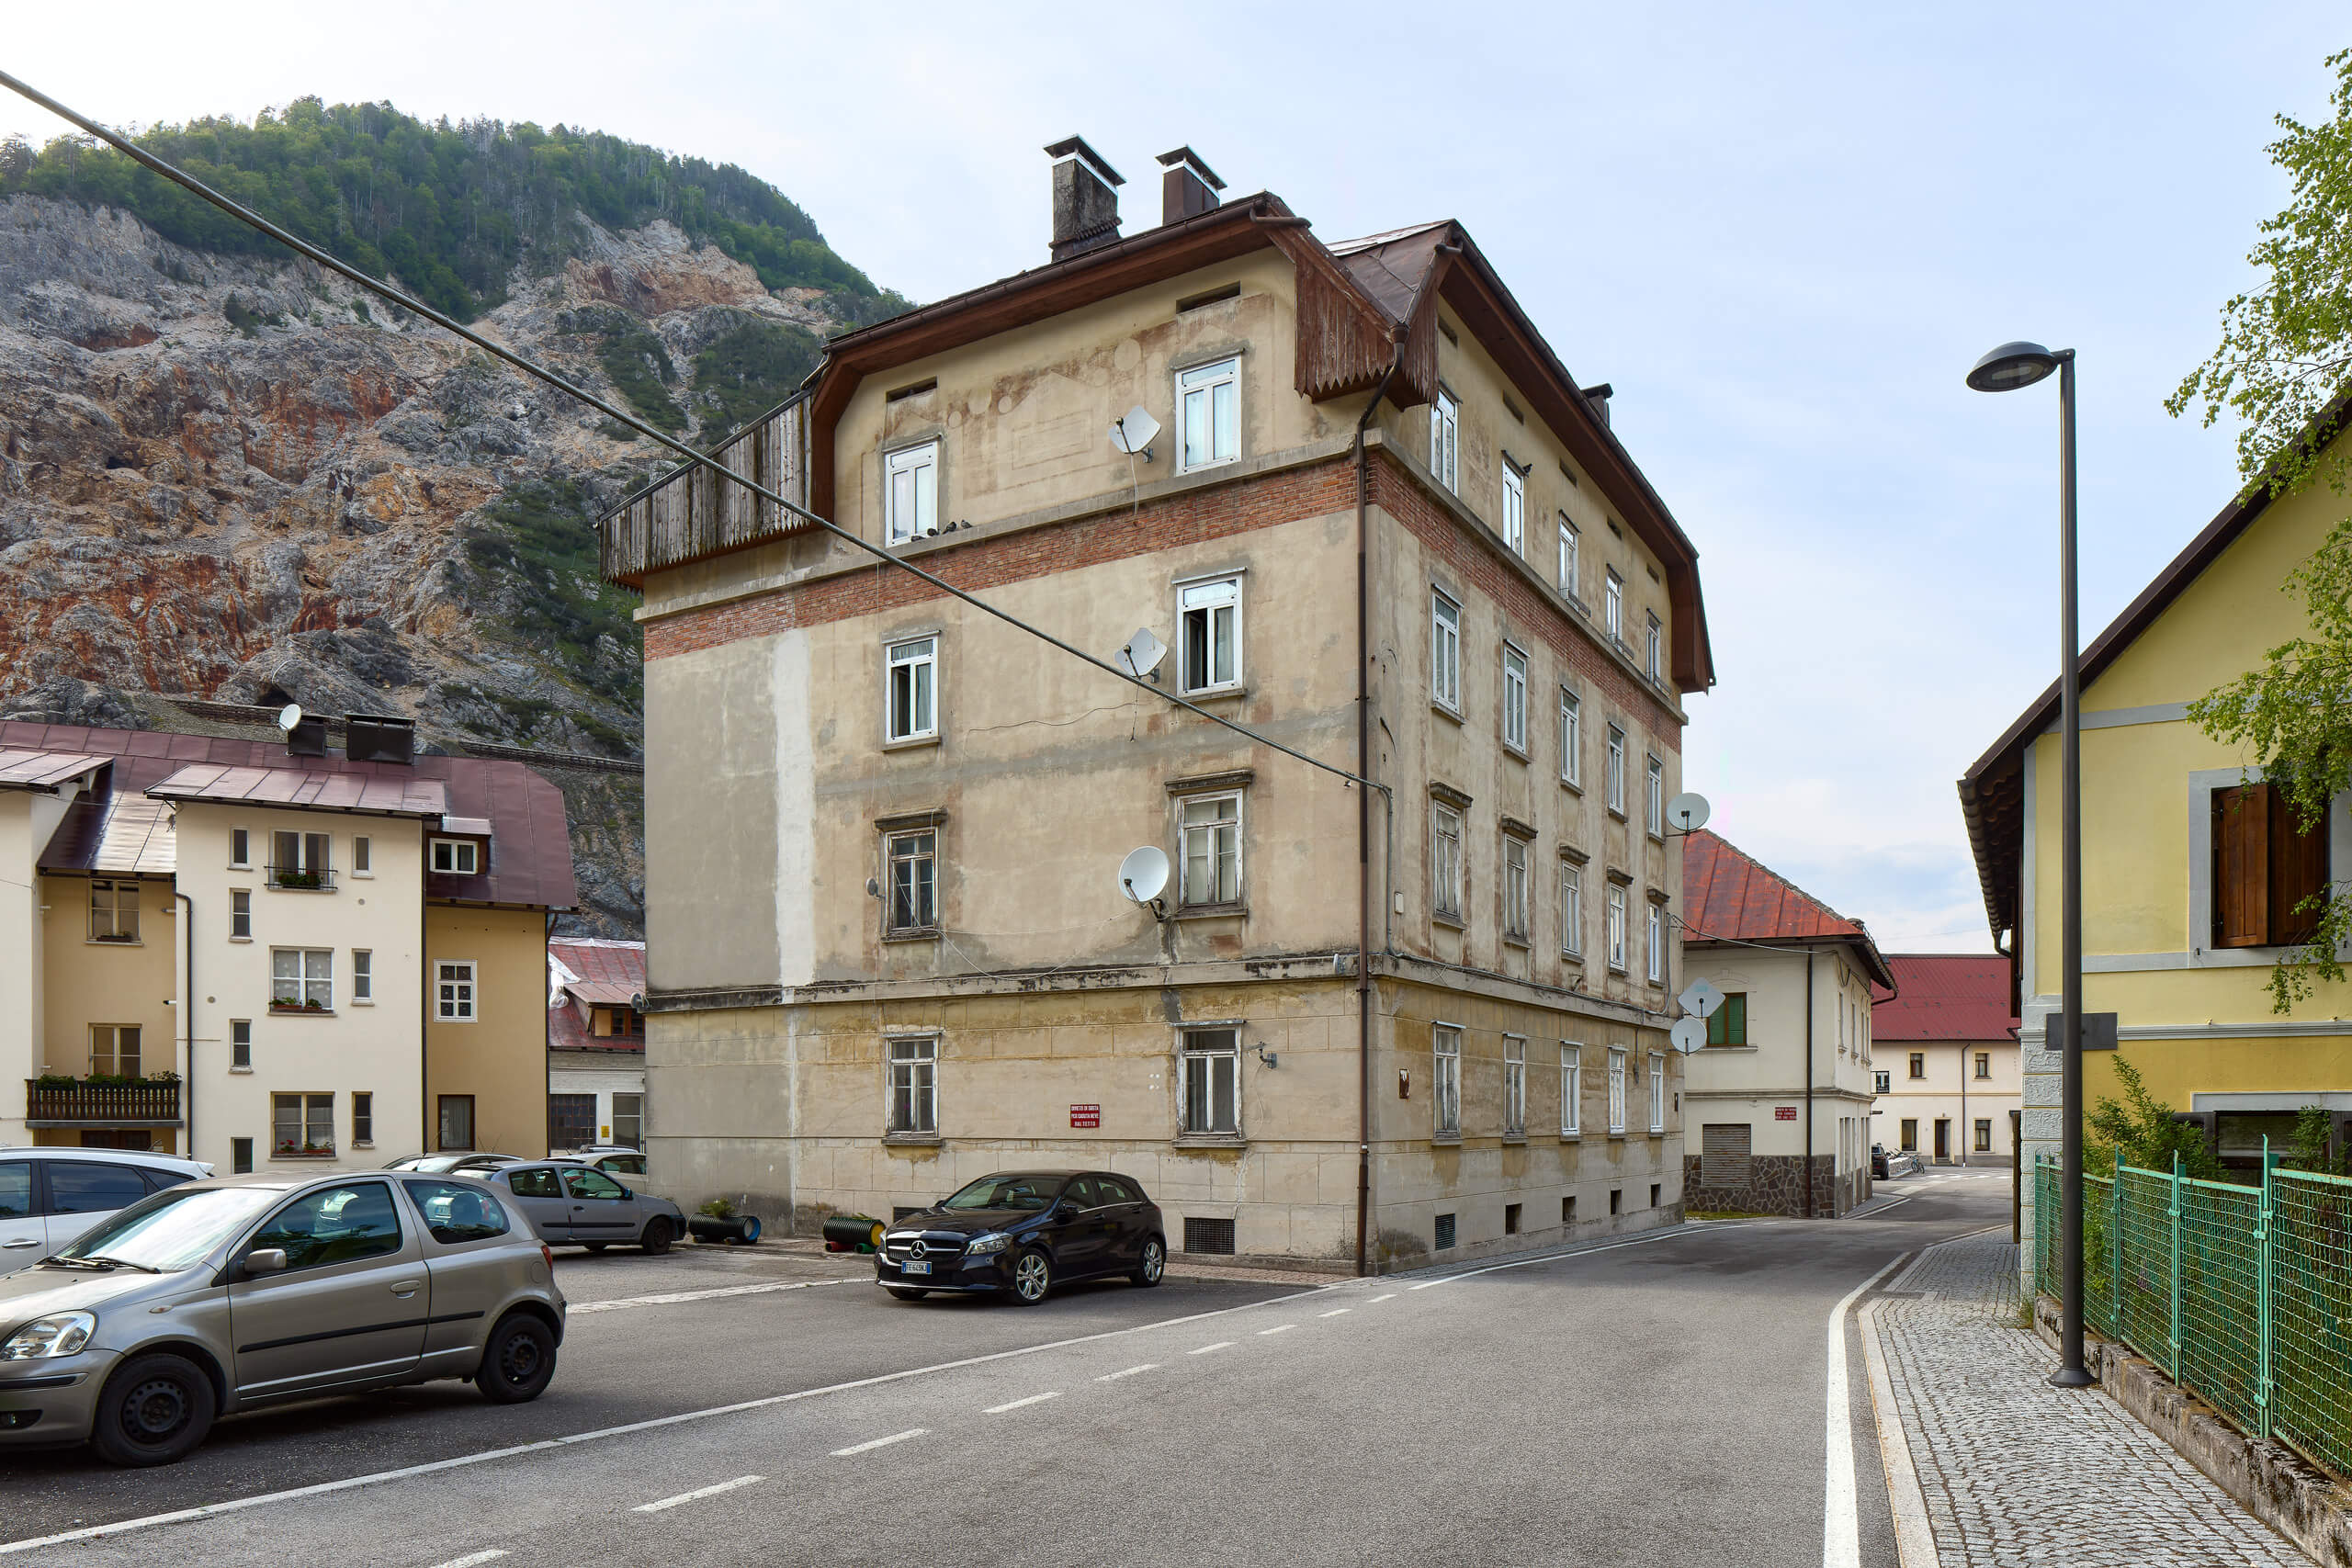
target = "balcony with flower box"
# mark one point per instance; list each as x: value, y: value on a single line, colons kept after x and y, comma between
x: 102, y: 1101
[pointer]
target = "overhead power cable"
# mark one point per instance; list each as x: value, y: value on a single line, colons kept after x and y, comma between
x: 499, y: 351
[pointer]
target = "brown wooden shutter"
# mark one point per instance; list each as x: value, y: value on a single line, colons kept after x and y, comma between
x: 2241, y: 865
x: 2298, y: 870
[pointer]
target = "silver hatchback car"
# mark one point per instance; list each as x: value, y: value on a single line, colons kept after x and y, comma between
x: 227, y: 1294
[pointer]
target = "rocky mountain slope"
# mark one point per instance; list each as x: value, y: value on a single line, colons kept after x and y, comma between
x: 234, y: 477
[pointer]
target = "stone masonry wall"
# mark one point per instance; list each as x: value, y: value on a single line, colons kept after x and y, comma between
x: 1775, y: 1185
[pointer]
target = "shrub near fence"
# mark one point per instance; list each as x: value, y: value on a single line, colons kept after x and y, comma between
x: 2241, y: 1295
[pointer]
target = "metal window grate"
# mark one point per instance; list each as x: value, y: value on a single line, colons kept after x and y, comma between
x: 1444, y: 1237
x: 1208, y: 1236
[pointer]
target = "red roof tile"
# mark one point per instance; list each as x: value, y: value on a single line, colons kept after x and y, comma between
x: 1728, y: 896
x: 1944, y: 995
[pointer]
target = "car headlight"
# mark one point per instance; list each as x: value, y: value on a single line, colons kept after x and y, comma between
x: 59, y: 1333
x: 995, y: 1241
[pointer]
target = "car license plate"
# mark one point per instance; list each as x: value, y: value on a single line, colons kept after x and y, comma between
x: 912, y: 1266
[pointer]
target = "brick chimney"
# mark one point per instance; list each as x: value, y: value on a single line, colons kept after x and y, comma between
x: 1189, y: 187
x: 1086, y: 200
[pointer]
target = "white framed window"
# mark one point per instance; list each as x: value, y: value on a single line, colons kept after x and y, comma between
x: 1571, y: 738
x: 302, y: 979
x: 1445, y: 1080
x: 1209, y: 1091
x: 1612, y: 606
x: 453, y: 990
x: 1571, y: 1088
x: 911, y: 694
x: 301, y: 860
x: 1654, y: 648
x: 1445, y: 651
x: 1446, y: 861
x: 241, y: 850
x: 1653, y: 799
x: 1446, y: 439
x: 1657, y: 1091
x: 456, y: 857
x: 363, y: 977
x: 1209, y: 635
x: 114, y: 1049
x: 1514, y: 528
x: 1209, y: 827
x: 1514, y: 699
x: 1208, y: 414
x: 1514, y: 1086
x: 1617, y: 928
x: 241, y: 915
x: 363, y: 856
x: 241, y: 1045
x: 363, y: 1119
x: 1570, y: 541
x: 912, y: 864
x: 1516, y: 921
x: 1571, y: 907
x: 914, y: 1084
x: 1616, y: 769
x: 1654, y: 946
x: 114, y: 910
x: 301, y: 1124
x: 910, y: 492
x: 1616, y: 1089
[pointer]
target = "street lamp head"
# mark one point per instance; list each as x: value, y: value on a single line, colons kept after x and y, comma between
x: 2011, y: 366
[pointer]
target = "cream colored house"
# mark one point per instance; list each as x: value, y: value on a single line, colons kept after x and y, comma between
x: 1779, y: 1119
x: 265, y: 954
x: 1947, y: 1046
x: 1382, y: 526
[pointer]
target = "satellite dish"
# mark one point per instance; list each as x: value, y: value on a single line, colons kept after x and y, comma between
x: 1134, y: 433
x: 1687, y: 813
x: 288, y: 717
x: 1142, y: 655
x: 1144, y: 875
x: 1690, y: 1034
x: 1701, y: 998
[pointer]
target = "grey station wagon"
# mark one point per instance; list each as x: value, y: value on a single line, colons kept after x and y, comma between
x: 232, y: 1293
x: 571, y: 1203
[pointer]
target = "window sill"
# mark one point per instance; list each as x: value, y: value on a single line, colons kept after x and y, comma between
x: 1443, y: 711
x: 912, y: 1139
x: 363, y: 1143
x: 1452, y: 922
x: 276, y: 888
x: 1572, y: 786
x: 1516, y: 753
x: 929, y: 933
x: 1618, y: 812
x: 1510, y: 1138
x: 245, y: 1070
x: 1616, y: 1138
x: 1446, y: 1140
x: 911, y: 743
x: 362, y: 1001
x: 1215, y: 693
x: 1210, y: 1141
x: 1576, y: 1137
x: 1520, y: 942
x: 240, y: 866
x: 243, y: 938
x: 1209, y: 912
x: 307, y: 1157
x: 362, y: 876
x: 109, y: 942
x: 302, y: 1012
x: 1617, y: 969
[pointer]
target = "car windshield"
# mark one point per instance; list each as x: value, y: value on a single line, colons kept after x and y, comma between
x: 1027, y: 1193
x: 172, y: 1229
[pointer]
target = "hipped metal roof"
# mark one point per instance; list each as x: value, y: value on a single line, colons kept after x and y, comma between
x: 1729, y: 897
x: 1943, y: 996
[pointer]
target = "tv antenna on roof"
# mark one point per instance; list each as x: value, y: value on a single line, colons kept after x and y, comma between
x: 1143, y: 875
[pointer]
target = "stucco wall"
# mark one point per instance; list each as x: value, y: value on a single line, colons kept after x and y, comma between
x: 500, y: 1059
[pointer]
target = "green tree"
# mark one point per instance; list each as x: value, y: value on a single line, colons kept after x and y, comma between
x: 2282, y: 370
x: 2145, y: 1129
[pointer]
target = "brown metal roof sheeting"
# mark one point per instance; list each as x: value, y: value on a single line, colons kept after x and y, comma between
x: 43, y: 770
x: 302, y: 789
x: 532, y: 866
x: 138, y: 837
x: 1729, y: 897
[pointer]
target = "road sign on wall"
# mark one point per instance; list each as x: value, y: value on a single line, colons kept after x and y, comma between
x: 1086, y: 1116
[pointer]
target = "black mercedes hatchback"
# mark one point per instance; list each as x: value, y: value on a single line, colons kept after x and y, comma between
x: 1024, y: 1232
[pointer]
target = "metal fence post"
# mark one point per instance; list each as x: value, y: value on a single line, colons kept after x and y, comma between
x: 2173, y: 1339
x: 2115, y: 1250
x: 2262, y: 1318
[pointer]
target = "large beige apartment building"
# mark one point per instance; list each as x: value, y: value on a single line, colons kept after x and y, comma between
x: 269, y: 954
x: 1381, y: 526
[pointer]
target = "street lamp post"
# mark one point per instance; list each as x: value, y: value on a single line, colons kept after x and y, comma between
x: 2006, y: 369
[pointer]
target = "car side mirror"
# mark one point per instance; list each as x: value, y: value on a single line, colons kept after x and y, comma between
x: 265, y: 1260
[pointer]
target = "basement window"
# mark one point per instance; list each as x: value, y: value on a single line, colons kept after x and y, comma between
x: 1441, y: 1234
x: 1208, y: 1236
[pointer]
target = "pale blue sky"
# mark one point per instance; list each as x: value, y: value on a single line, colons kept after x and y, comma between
x: 1781, y: 231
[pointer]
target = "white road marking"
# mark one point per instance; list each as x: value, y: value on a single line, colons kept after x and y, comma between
x: 699, y: 1492
x: 670, y: 1297
x: 1341, y: 1312
x: 1220, y: 1344
x: 1841, y: 1528
x: 1377, y: 1300
x: 1915, y: 1541
x: 1017, y: 1404
x: 1563, y: 1257
x: 1278, y: 1328
x: 548, y: 1445
x: 880, y: 1442
x: 473, y: 1559
x: 1114, y: 1377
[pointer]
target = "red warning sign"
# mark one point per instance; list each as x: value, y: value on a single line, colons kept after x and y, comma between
x: 1088, y: 1116
x: 1784, y: 1113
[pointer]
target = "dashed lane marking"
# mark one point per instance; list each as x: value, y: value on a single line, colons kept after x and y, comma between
x: 1278, y: 1328
x: 672, y: 1298
x: 1377, y: 1300
x: 880, y: 1442
x: 1220, y: 1344
x: 1114, y: 1377
x: 474, y: 1560
x: 1341, y: 1312
x: 1566, y: 1256
x: 695, y: 1496
x: 1017, y: 1404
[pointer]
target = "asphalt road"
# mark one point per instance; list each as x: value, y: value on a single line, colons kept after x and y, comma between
x: 1656, y: 1402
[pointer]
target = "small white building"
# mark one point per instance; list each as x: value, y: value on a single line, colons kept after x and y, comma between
x: 595, y: 1043
x: 1779, y: 1114
x: 1947, y: 1080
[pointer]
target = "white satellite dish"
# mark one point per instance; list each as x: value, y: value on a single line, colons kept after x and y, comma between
x: 1134, y: 433
x: 1701, y: 998
x: 1687, y: 813
x: 1144, y: 875
x: 288, y: 717
x: 1690, y: 1034
x: 1142, y: 654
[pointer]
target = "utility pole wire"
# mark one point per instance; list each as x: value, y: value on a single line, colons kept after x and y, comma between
x: 393, y: 296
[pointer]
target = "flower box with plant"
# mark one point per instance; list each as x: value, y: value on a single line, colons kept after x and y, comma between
x: 310, y: 881
x: 289, y: 1149
x: 296, y: 1004
x: 115, y: 936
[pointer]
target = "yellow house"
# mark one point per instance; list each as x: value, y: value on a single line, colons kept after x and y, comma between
x: 2189, y: 872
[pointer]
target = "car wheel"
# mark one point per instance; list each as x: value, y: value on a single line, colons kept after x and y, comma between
x: 656, y: 1239
x: 518, y: 1362
x: 1033, y: 1278
x: 596, y: 1245
x: 897, y: 1294
x: 1153, y: 1264
x: 154, y: 1410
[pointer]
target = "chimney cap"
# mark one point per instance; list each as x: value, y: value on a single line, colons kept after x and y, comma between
x: 1185, y: 155
x: 1076, y: 147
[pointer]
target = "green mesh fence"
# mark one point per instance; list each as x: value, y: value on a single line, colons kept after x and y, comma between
x: 2241, y: 1293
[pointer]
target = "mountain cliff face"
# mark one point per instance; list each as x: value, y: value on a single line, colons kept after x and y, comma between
x: 228, y: 475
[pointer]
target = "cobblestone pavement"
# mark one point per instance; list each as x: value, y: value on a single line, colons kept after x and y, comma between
x: 2015, y: 1471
